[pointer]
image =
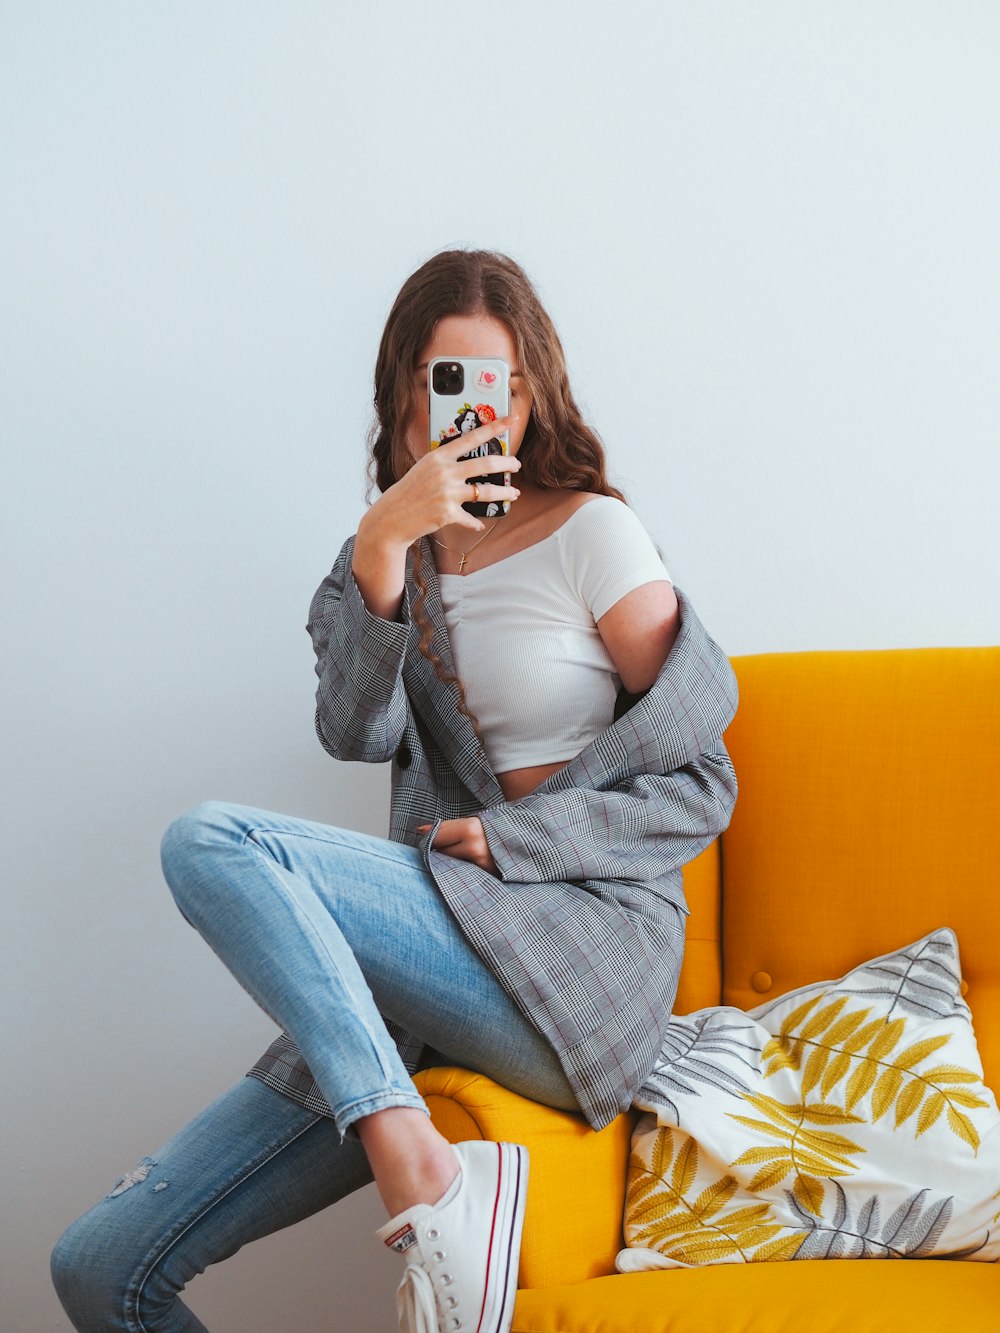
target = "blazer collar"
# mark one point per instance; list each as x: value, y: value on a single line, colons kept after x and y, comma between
x: 438, y: 703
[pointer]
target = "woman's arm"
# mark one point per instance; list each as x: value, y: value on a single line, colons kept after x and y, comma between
x: 639, y: 631
x: 360, y: 616
x: 361, y: 705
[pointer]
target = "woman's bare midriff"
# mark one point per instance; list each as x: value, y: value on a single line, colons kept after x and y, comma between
x: 519, y: 782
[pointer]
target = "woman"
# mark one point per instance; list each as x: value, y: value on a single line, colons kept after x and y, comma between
x: 525, y: 916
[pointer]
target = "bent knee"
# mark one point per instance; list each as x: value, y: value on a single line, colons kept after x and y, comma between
x: 88, y: 1276
x: 188, y: 840
x: 202, y: 825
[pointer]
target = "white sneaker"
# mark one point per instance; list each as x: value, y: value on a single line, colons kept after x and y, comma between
x: 463, y: 1250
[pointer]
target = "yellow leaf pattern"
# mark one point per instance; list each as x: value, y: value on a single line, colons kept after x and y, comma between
x: 836, y: 1045
x: 807, y: 1154
x: 907, y: 1102
x: 809, y: 1192
x: 698, y: 1231
x: 861, y: 1081
x: 835, y: 1071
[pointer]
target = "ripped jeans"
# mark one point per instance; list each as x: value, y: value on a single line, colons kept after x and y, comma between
x: 328, y: 930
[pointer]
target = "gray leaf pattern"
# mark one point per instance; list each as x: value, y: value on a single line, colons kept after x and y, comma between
x: 682, y: 1065
x: 921, y: 980
x: 912, y: 1230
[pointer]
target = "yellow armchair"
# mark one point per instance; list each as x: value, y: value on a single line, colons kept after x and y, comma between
x: 869, y: 815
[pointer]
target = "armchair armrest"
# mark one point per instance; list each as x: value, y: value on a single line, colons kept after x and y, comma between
x: 576, y: 1181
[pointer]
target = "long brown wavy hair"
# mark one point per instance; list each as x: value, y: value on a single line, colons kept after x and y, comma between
x: 559, y: 451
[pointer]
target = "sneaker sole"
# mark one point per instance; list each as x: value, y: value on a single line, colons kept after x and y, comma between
x: 505, y: 1240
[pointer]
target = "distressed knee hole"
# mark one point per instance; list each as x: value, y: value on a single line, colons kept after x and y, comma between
x: 134, y: 1177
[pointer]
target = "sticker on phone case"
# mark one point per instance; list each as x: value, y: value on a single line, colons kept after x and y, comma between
x: 487, y: 379
x: 469, y: 418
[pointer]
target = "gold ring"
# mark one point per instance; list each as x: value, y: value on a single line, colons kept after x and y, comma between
x: 475, y: 492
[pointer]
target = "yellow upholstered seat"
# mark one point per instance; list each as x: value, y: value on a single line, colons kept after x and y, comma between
x: 868, y: 815
x: 818, y: 1296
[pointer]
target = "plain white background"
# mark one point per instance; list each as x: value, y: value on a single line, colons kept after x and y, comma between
x: 767, y: 232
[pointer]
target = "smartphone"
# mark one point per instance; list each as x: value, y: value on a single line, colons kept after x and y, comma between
x: 465, y: 392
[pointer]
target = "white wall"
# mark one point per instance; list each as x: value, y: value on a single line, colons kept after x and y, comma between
x: 767, y: 232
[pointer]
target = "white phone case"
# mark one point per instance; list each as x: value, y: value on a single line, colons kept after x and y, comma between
x: 484, y: 397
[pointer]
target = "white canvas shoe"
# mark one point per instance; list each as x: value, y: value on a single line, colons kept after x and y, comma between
x: 462, y: 1252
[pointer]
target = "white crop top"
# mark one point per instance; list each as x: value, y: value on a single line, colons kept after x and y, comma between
x: 523, y: 632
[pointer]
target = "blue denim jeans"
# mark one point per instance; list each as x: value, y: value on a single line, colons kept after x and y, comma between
x: 329, y: 931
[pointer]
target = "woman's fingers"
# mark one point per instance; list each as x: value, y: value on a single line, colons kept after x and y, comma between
x: 463, y: 444
x: 430, y: 494
x: 464, y: 839
x: 447, y: 842
x: 472, y: 489
x: 461, y: 518
x: 489, y: 490
x: 486, y: 466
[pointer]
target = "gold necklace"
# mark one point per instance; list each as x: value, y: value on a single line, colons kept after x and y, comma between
x: 464, y: 554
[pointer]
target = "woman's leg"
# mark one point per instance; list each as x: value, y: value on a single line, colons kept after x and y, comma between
x: 332, y: 932
x: 250, y: 1164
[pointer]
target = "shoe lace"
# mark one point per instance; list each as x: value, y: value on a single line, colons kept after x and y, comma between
x: 415, y: 1302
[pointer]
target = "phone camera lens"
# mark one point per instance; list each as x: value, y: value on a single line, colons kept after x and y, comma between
x: 448, y: 378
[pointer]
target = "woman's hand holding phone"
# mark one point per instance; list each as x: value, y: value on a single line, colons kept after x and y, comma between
x: 429, y: 496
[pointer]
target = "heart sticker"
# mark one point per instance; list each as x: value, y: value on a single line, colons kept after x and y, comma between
x: 487, y: 378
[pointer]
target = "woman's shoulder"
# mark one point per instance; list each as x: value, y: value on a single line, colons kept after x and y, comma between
x: 603, y: 533
x: 589, y: 516
x: 549, y: 512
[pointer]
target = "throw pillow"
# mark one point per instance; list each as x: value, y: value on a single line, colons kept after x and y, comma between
x: 847, y: 1119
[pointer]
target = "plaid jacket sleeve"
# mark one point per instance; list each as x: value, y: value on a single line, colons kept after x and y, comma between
x: 641, y: 830
x: 361, y: 704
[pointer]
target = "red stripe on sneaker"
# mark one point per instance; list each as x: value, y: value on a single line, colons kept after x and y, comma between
x: 493, y: 1230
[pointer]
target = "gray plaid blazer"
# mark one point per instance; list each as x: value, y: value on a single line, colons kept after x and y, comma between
x: 585, y: 925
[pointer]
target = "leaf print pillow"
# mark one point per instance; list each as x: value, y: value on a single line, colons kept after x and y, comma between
x: 848, y: 1119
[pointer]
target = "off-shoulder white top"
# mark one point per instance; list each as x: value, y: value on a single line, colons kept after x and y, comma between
x: 524, y: 635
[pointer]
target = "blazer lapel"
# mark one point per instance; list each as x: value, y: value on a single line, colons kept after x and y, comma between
x: 438, y: 703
